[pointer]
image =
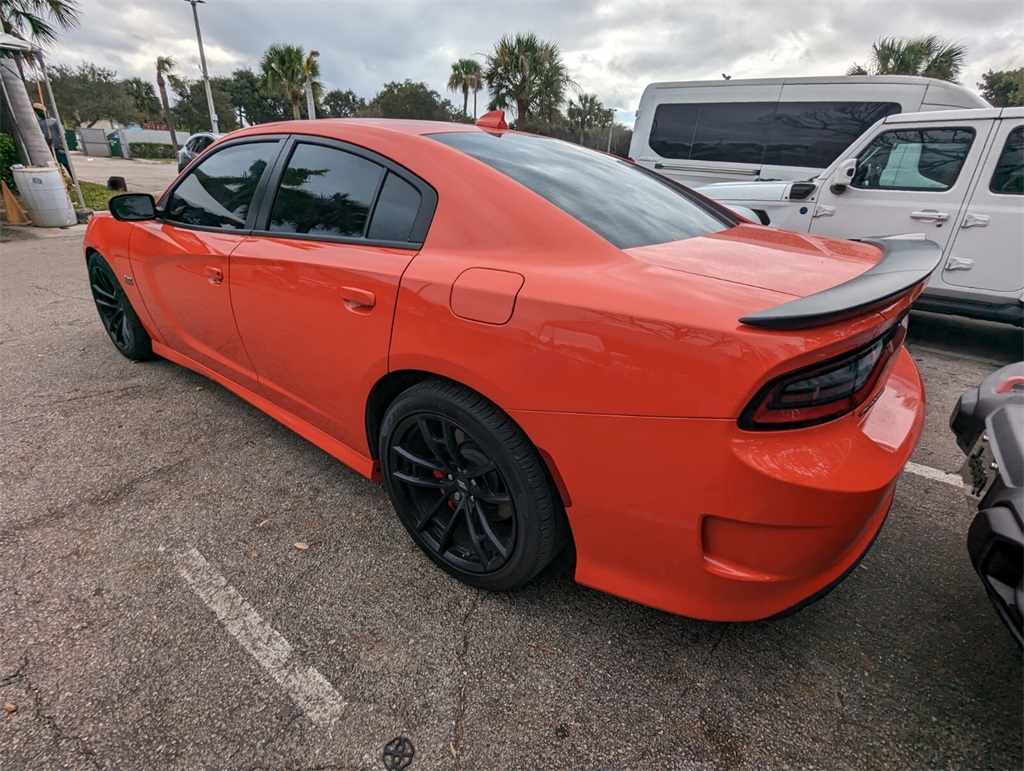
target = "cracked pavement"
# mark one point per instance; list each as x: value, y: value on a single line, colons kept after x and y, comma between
x: 109, y: 471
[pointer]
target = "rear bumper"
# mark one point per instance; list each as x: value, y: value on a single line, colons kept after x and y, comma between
x: 700, y: 518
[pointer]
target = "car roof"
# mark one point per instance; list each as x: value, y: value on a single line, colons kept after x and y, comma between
x: 339, y: 127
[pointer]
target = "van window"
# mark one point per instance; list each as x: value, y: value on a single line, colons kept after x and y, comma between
x: 815, y: 133
x: 913, y: 159
x: 1008, y: 178
x: 808, y: 134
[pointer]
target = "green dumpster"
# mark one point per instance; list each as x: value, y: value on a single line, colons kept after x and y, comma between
x: 71, y: 137
x: 114, y: 142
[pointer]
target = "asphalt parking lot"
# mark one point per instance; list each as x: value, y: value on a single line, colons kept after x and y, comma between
x: 156, y: 613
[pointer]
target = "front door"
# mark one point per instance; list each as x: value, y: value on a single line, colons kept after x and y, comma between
x: 986, y: 249
x: 908, y: 180
x: 181, y: 261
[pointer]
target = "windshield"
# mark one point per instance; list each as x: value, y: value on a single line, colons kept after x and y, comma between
x: 623, y: 204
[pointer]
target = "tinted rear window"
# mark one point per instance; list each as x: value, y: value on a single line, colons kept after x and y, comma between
x: 619, y: 202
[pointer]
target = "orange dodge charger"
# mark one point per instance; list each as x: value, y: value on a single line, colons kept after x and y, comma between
x: 531, y: 343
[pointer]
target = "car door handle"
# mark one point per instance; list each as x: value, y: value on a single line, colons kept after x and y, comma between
x: 976, y: 221
x: 358, y: 299
x: 214, y: 275
x: 929, y: 216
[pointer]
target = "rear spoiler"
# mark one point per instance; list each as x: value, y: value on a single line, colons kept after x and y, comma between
x: 905, y: 263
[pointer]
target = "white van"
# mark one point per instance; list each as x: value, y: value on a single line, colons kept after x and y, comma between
x: 955, y: 178
x: 700, y: 132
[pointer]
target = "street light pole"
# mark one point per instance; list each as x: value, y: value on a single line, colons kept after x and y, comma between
x: 610, y: 129
x: 202, y: 61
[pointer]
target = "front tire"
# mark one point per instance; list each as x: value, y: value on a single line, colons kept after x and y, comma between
x: 119, y: 319
x: 469, y: 486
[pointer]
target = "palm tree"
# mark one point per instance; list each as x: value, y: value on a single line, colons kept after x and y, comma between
x: 166, y: 67
x: 928, y: 56
x: 38, y: 22
x: 528, y: 73
x: 284, y: 71
x: 466, y: 76
x: 584, y: 113
x: 311, y: 70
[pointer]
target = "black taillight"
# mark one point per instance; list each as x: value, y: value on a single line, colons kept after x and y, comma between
x: 824, y: 391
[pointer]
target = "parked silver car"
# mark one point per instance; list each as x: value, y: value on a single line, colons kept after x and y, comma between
x: 195, y: 146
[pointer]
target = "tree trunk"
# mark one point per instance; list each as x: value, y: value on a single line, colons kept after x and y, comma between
x: 465, y: 101
x: 26, y: 124
x: 296, y: 113
x: 167, y: 114
x: 310, y: 101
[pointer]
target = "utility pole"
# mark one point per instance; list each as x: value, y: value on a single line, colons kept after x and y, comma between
x: 610, y: 128
x: 202, y: 61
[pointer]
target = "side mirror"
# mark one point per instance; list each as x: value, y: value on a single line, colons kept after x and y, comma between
x: 844, y: 175
x: 132, y: 207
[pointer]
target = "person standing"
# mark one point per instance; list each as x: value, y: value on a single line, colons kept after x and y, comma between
x: 52, y: 133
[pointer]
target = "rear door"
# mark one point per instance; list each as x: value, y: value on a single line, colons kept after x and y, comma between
x: 314, y: 289
x: 909, y: 179
x: 986, y: 249
x: 180, y: 261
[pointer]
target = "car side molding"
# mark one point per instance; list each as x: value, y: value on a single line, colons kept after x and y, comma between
x: 905, y: 262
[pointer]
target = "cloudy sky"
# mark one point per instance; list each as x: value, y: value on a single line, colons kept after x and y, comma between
x: 613, y: 48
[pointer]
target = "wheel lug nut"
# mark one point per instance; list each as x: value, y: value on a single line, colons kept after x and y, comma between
x: 458, y: 496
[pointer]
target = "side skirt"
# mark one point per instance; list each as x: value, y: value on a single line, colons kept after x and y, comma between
x: 368, y: 467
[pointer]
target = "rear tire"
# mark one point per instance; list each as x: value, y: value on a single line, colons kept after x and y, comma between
x: 469, y: 486
x: 119, y: 318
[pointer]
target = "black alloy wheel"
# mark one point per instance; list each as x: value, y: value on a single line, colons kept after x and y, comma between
x: 119, y: 320
x: 469, y: 487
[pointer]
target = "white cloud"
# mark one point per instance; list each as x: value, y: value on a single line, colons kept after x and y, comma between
x: 613, y: 47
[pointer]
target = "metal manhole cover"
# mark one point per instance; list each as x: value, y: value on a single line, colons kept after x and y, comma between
x: 398, y: 754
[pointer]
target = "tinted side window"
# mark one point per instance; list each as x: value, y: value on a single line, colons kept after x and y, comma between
x: 672, y: 129
x: 218, y: 192
x: 326, y: 192
x: 396, y: 211
x: 621, y: 203
x: 1008, y: 178
x: 813, y: 134
x: 733, y: 133
x: 914, y: 159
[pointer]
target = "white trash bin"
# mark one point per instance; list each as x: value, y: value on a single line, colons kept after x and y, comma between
x: 44, y: 196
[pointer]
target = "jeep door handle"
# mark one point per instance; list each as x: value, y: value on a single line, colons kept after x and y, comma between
x: 214, y: 275
x: 929, y: 216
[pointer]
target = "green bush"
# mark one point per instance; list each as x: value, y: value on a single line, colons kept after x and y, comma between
x: 8, y: 157
x: 150, y: 150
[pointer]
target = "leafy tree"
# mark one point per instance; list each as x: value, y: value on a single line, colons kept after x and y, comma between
x: 191, y: 109
x: 928, y: 56
x: 528, y: 73
x: 165, y: 68
x: 466, y: 76
x: 1003, y: 88
x: 343, y: 104
x: 143, y: 97
x: 410, y: 100
x: 38, y: 21
x: 284, y: 73
x: 90, y: 93
x: 249, y: 99
x: 584, y: 112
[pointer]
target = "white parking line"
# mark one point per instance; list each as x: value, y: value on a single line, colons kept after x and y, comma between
x: 934, y: 474
x: 309, y: 689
